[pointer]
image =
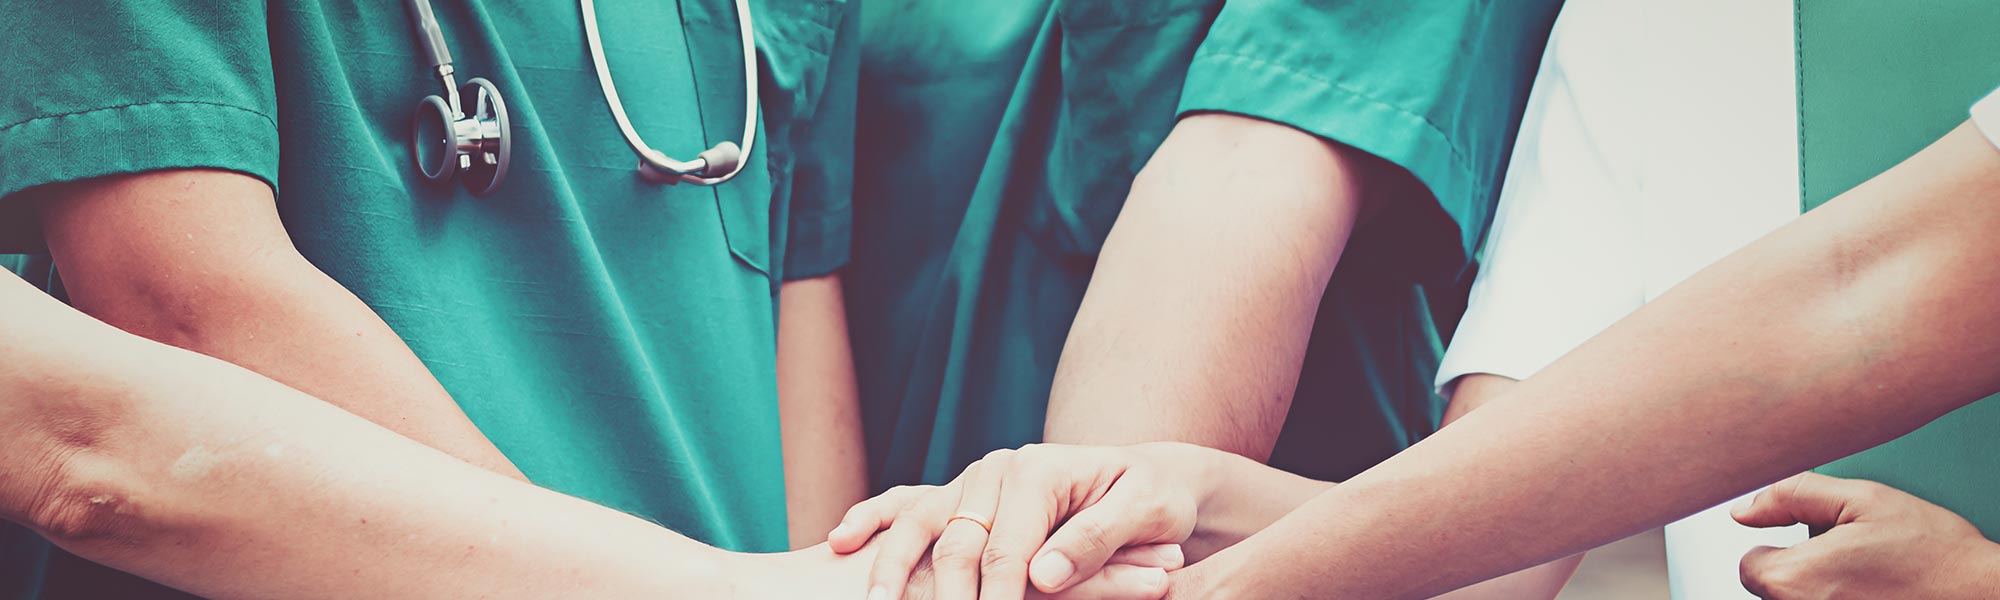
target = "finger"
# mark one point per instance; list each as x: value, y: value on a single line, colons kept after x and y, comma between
x: 872, y: 515
x: 1128, y: 515
x: 1161, y: 556
x: 1762, y: 573
x: 1118, y: 582
x: 955, y: 559
x: 1810, y: 498
x: 906, y: 542
x: 1028, y: 510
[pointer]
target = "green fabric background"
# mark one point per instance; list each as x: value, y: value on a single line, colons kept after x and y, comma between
x: 1878, y: 81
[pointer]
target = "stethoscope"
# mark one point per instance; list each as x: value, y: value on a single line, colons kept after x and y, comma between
x: 466, y: 130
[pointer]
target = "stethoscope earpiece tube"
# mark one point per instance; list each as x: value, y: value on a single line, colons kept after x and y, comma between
x: 716, y: 165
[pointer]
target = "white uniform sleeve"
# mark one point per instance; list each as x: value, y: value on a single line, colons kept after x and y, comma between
x: 1563, y: 258
x: 1986, y: 115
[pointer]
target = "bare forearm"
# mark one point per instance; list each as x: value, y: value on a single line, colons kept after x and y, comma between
x: 209, y: 478
x: 1199, y: 309
x: 199, y: 260
x: 1853, y: 325
x: 826, y: 469
x: 1542, y: 581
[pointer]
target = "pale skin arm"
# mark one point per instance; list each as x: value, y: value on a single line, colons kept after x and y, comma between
x: 819, y: 409
x: 1861, y: 321
x: 1543, y: 581
x: 199, y: 259
x: 1198, y: 313
x: 175, y: 466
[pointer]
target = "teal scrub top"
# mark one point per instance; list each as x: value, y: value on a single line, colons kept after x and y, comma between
x: 615, y: 338
x: 1877, y: 83
x: 1003, y: 135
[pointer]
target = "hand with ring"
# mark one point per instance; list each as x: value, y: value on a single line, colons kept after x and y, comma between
x: 996, y: 526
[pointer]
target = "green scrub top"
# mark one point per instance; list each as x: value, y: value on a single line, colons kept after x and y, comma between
x: 1003, y: 135
x: 1877, y: 83
x: 614, y: 337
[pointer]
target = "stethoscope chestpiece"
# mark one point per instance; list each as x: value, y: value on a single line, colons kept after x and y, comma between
x: 471, y: 142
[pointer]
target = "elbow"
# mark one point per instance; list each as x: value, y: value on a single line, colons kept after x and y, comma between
x: 190, y: 306
x: 88, y: 501
x: 78, y: 517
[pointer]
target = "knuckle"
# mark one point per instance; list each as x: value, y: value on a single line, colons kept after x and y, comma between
x: 997, y: 559
x: 1771, y: 580
x: 1092, y: 535
x: 1153, y: 513
x: 956, y: 551
x: 999, y: 456
x: 1873, y: 493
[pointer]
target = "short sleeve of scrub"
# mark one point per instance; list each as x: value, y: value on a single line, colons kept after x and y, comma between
x: 1432, y: 86
x: 810, y: 113
x: 195, y: 77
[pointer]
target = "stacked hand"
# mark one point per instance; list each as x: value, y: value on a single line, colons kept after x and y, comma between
x: 1872, y: 541
x: 1101, y: 523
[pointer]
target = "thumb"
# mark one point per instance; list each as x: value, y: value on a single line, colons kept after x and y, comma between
x: 1755, y: 568
x: 1818, y: 501
x: 1079, y: 548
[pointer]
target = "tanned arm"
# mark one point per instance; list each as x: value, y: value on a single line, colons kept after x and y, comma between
x: 1861, y: 321
x: 819, y: 409
x: 1198, y: 313
x: 198, y: 259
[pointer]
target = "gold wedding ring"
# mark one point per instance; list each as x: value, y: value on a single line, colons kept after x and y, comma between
x: 975, y: 518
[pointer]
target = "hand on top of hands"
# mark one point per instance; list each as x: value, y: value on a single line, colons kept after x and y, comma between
x: 1871, y: 541
x: 1081, y: 522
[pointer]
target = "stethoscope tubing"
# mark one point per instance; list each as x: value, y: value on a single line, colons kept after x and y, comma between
x: 488, y: 126
x: 688, y: 171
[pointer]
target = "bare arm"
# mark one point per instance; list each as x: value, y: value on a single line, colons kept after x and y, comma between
x: 1861, y: 321
x: 1198, y: 313
x: 1543, y: 581
x: 826, y: 470
x: 207, y: 477
x: 200, y: 260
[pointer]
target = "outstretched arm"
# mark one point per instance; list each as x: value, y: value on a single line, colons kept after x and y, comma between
x: 206, y: 477
x: 1854, y: 324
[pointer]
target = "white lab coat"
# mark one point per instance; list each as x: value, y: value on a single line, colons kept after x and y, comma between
x: 1661, y: 135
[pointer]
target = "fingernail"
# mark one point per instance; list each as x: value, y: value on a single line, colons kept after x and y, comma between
x: 837, y: 530
x: 879, y: 593
x: 1153, y: 579
x: 1742, y: 505
x: 1052, y: 570
x: 1171, y: 553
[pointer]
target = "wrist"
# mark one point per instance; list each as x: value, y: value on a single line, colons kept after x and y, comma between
x: 1981, y: 567
x: 1215, y: 578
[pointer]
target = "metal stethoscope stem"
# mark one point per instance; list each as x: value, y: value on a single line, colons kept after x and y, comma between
x: 467, y: 132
